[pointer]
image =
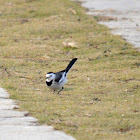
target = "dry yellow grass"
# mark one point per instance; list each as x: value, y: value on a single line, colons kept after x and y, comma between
x: 101, y: 99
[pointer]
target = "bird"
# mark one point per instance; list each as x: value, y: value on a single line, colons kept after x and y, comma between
x: 56, y: 81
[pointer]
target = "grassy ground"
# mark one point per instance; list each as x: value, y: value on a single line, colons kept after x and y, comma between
x: 101, y: 99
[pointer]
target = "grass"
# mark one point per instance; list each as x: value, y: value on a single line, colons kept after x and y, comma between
x: 101, y: 99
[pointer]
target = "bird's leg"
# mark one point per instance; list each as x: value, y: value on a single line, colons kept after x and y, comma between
x: 60, y: 90
x: 53, y: 91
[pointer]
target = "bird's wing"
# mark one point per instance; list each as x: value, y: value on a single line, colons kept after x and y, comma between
x: 59, y: 76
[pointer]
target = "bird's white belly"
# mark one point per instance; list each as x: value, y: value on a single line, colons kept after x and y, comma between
x: 56, y: 85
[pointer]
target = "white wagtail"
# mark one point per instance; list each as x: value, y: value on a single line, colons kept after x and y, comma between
x: 57, y: 80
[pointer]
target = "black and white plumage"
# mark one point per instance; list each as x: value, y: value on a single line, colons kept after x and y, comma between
x: 57, y: 80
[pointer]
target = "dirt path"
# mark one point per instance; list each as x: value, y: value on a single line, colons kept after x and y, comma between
x: 15, y: 125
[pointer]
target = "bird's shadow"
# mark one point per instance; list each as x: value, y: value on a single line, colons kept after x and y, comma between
x: 65, y: 90
x: 62, y: 93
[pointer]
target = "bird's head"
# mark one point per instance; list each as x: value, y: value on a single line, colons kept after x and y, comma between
x: 50, y: 76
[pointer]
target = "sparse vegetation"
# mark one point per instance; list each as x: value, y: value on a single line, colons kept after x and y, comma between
x: 101, y: 99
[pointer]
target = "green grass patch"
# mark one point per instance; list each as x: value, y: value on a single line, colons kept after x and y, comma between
x: 101, y: 99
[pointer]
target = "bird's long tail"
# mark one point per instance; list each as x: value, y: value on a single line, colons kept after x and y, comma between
x: 70, y: 65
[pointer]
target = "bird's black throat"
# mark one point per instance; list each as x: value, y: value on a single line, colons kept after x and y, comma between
x: 49, y: 83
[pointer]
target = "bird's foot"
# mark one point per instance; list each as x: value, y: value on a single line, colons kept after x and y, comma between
x: 60, y: 90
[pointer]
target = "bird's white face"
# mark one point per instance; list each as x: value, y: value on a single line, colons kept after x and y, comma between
x: 50, y: 76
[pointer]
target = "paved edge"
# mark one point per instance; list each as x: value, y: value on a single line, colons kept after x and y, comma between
x: 15, y: 125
